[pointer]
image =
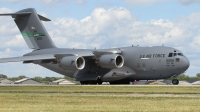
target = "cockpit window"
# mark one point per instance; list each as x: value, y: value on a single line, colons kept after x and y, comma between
x: 170, y: 54
x: 175, y: 54
x: 180, y: 54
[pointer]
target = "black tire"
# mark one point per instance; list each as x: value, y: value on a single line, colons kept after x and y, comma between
x: 84, y: 82
x: 99, y: 81
x: 119, y: 82
x: 175, y: 81
x: 93, y: 82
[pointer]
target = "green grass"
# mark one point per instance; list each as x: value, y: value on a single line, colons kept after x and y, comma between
x: 102, y: 89
x: 97, y: 99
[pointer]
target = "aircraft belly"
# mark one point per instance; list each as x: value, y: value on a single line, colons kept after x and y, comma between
x: 55, y: 68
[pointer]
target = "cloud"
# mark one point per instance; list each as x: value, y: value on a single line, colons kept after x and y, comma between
x: 149, y: 2
x: 17, y: 41
x: 143, y: 2
x: 99, y: 25
x: 5, y: 10
x: 188, y: 2
x: 45, y: 1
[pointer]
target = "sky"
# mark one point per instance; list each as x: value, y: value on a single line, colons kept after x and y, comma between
x: 100, y: 24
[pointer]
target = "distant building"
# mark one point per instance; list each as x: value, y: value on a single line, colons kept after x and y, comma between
x: 156, y: 83
x: 140, y: 82
x: 167, y: 82
x: 62, y: 82
x: 196, y: 82
x: 5, y: 81
x: 26, y: 81
x: 184, y: 83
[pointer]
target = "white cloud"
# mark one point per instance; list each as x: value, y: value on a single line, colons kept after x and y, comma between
x: 45, y: 1
x: 149, y: 2
x: 5, y: 10
x: 106, y: 28
x: 17, y: 41
x: 195, y: 44
x: 188, y: 2
x: 144, y: 2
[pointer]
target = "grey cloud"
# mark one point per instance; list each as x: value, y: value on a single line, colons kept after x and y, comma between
x: 142, y: 2
x: 188, y: 2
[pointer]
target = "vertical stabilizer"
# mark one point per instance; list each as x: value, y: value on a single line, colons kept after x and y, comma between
x: 32, y: 29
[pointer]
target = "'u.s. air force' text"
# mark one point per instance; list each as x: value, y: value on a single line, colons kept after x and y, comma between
x: 153, y: 56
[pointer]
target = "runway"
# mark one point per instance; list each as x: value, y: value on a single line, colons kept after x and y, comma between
x: 88, y: 85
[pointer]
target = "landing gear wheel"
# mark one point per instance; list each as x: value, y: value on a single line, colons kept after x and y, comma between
x: 84, y: 82
x: 175, y: 81
x: 99, y: 81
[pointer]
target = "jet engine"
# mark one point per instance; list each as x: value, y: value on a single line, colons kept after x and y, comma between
x: 72, y: 63
x: 111, y: 61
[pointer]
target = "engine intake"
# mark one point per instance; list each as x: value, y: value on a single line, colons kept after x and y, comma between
x: 111, y: 61
x: 72, y: 63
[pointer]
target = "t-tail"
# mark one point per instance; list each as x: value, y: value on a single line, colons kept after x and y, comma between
x: 32, y: 29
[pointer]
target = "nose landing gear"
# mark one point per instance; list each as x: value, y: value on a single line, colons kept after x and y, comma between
x: 175, y: 81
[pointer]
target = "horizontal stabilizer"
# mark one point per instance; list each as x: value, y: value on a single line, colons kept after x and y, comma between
x: 18, y: 14
x: 43, y: 18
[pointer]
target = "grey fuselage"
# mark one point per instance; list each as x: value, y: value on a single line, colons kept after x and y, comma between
x: 141, y: 63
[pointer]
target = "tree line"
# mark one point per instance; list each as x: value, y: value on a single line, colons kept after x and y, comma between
x: 51, y: 79
x: 183, y: 77
x: 37, y: 78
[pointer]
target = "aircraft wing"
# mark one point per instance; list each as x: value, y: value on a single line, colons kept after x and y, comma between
x: 37, y: 57
x: 54, y: 56
x: 27, y: 58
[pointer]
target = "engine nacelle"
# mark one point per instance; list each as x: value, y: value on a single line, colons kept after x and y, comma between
x: 111, y: 61
x: 72, y: 63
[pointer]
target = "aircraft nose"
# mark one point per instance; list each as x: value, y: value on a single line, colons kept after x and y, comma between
x: 185, y: 63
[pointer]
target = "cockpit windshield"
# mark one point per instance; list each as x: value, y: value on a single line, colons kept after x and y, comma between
x: 175, y: 54
x: 180, y: 54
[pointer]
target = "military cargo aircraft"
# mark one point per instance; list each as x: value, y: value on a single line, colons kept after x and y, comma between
x: 94, y: 66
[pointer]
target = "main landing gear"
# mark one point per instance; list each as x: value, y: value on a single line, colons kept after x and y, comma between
x: 175, y: 81
x: 92, y: 82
